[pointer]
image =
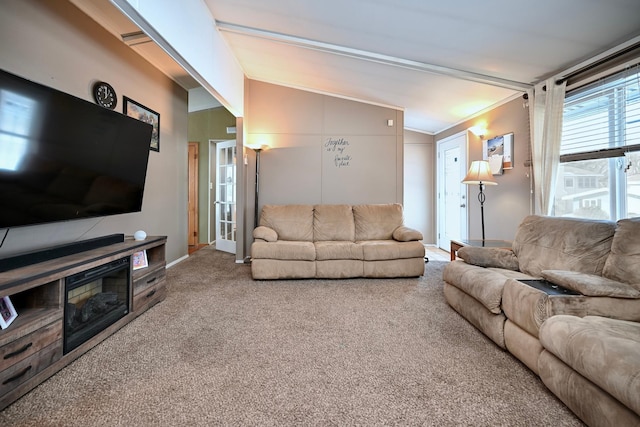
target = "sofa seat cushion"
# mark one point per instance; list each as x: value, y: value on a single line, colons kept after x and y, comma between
x: 290, y: 222
x: 481, y: 283
x: 552, y: 243
x: 377, y: 222
x: 283, y: 250
x: 379, y: 250
x: 333, y: 222
x: 603, y: 350
x: 338, y: 250
x: 623, y: 263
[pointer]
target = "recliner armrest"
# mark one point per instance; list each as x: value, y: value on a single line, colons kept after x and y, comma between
x: 265, y: 233
x: 489, y: 257
x: 406, y: 234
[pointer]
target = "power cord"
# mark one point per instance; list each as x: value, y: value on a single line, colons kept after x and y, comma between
x: 90, y: 228
x: 4, y: 238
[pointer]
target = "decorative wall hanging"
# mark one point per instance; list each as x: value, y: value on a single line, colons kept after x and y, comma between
x: 498, y: 152
x: 138, y: 111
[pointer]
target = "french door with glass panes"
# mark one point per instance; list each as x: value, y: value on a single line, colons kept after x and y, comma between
x: 226, y: 196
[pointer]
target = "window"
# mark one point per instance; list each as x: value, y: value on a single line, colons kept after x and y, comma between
x: 599, y: 172
x: 587, y: 182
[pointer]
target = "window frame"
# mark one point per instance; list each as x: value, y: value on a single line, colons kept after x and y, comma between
x: 615, y: 89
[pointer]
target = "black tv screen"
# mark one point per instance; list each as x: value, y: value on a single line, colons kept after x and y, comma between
x: 64, y: 158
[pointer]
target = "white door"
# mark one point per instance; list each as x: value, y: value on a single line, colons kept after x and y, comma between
x: 226, y: 196
x: 452, y: 194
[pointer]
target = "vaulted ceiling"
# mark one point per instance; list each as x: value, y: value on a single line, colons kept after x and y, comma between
x: 439, y: 61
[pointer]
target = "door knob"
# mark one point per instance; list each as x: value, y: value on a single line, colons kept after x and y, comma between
x: 463, y: 205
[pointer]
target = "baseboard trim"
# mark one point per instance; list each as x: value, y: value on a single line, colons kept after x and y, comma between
x: 179, y: 260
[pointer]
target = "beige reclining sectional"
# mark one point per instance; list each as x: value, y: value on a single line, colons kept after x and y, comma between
x: 565, y: 300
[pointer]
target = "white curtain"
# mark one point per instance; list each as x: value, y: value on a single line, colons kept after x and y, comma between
x: 545, y: 117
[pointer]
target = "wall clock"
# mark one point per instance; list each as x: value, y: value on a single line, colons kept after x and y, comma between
x: 105, y: 95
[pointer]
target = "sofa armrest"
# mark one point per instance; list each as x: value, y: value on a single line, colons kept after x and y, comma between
x: 265, y: 233
x: 590, y: 284
x: 489, y: 257
x: 406, y: 234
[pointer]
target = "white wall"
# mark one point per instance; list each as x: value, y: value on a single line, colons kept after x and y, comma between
x: 419, y: 184
x: 324, y: 149
x: 55, y: 44
x: 510, y: 201
x: 300, y: 165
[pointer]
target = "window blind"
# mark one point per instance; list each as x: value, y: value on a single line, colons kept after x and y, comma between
x: 602, y: 119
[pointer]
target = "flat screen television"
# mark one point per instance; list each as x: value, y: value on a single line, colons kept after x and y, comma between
x: 64, y: 158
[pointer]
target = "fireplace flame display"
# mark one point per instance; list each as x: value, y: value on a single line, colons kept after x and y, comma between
x: 94, y: 300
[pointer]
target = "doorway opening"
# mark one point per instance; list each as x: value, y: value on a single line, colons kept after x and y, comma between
x: 193, y: 240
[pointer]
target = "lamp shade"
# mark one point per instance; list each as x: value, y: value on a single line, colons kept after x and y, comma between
x: 479, y: 173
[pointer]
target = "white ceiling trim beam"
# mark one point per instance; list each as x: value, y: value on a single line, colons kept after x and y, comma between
x: 136, y: 38
x: 370, y: 56
x: 328, y: 93
x: 162, y: 24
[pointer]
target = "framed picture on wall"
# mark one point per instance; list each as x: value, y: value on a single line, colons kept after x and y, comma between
x: 138, y: 111
x: 7, y: 313
x: 499, y: 146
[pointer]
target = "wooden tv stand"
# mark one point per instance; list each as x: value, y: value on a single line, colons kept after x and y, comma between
x: 31, y: 348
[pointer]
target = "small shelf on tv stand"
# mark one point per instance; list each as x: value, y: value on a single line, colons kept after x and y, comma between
x: 31, y: 347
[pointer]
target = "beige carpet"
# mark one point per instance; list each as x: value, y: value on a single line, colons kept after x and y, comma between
x: 225, y: 350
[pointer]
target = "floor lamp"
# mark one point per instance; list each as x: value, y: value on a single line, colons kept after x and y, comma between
x: 480, y: 173
x: 255, y: 217
x: 258, y: 151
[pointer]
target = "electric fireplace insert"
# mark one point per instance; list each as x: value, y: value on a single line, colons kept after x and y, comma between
x: 94, y: 300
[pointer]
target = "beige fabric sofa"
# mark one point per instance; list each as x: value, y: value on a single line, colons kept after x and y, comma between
x: 335, y: 241
x: 591, y: 268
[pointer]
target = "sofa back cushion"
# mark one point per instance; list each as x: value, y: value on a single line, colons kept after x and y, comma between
x: 291, y: 222
x: 554, y: 243
x: 377, y: 222
x: 623, y: 263
x: 333, y: 222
